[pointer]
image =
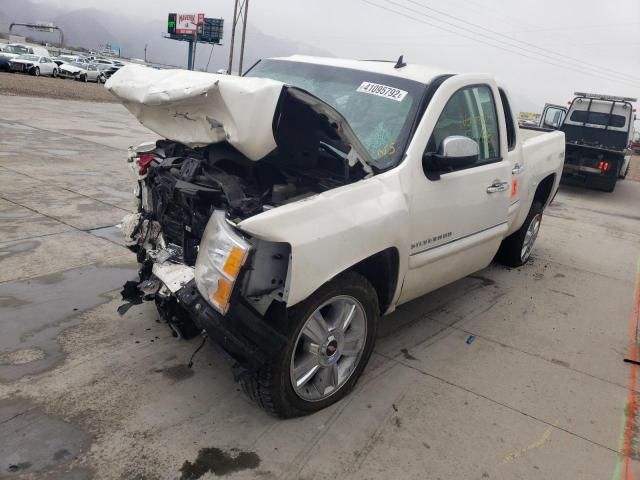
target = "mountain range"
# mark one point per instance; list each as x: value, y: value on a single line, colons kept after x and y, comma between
x: 90, y: 27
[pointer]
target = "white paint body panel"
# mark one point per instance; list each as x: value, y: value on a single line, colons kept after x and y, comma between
x: 174, y: 276
x: 333, y: 231
x: 197, y: 108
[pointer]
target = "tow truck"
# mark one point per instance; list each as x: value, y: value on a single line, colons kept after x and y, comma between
x: 598, y: 130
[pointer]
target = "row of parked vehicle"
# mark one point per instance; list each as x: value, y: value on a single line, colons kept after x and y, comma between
x: 36, y: 61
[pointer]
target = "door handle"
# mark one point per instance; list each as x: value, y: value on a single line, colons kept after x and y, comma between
x: 517, y: 169
x: 497, y: 187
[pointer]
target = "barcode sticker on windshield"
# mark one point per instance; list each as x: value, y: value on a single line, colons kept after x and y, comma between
x: 382, y: 91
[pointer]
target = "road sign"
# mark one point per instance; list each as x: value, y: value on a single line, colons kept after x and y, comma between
x: 187, y: 23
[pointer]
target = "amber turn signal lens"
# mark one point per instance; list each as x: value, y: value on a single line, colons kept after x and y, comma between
x: 234, y: 262
x: 223, y: 292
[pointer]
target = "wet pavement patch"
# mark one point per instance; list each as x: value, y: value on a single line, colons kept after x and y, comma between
x: 12, y: 249
x: 33, y: 441
x: 177, y: 373
x: 42, y: 308
x: 218, y: 462
x: 113, y: 233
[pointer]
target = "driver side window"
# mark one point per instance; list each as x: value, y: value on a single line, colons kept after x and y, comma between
x: 470, y: 112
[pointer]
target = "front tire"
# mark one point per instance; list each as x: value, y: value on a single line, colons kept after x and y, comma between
x: 516, y: 249
x: 36, y: 72
x: 331, y: 337
x: 55, y: 73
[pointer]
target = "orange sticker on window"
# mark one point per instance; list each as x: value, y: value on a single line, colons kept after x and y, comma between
x: 514, y: 187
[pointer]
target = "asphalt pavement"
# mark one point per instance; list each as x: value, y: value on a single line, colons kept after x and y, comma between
x: 508, y: 373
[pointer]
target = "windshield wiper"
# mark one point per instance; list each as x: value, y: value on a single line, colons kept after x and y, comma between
x: 334, y: 151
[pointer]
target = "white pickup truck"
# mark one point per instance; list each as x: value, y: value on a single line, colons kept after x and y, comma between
x: 284, y: 211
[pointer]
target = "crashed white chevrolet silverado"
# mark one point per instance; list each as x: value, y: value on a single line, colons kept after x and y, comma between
x: 284, y: 211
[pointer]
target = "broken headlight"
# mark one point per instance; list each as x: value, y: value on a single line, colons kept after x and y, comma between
x: 221, y: 254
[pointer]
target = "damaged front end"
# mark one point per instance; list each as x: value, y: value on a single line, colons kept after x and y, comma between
x: 202, y: 271
x: 198, y: 268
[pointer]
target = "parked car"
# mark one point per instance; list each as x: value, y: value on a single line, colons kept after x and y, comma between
x: 82, y: 72
x: 34, y: 64
x: 72, y: 59
x: 94, y: 74
x: 294, y: 206
x: 14, y: 50
x: 107, y: 69
x: 71, y: 70
x: 598, y: 130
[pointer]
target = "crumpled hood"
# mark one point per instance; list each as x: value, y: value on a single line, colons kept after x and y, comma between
x: 198, y: 108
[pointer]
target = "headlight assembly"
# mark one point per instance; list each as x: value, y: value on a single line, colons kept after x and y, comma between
x: 221, y: 254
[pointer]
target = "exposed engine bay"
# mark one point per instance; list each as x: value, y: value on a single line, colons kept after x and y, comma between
x: 181, y: 189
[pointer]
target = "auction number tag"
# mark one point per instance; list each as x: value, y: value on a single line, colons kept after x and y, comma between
x: 382, y: 91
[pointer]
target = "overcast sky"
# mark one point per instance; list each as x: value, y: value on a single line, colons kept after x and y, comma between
x: 540, y: 50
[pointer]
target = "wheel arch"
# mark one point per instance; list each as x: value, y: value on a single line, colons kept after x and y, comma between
x: 382, y: 271
x: 544, y: 190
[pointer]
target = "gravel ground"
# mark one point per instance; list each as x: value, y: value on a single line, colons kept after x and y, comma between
x: 27, y: 85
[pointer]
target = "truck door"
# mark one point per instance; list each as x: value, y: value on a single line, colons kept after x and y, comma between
x: 552, y: 116
x: 459, y: 216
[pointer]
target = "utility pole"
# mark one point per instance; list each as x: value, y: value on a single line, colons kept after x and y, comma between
x: 240, y: 9
x: 145, y: 53
x: 233, y: 36
x: 244, y: 33
x: 190, y: 56
x: 195, y: 44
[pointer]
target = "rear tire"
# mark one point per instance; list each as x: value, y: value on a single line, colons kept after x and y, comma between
x: 516, y: 249
x: 272, y: 386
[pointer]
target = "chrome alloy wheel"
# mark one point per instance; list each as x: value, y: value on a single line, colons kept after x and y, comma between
x: 530, y: 237
x: 328, y: 348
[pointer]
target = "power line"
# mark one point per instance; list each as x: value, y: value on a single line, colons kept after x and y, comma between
x: 475, y: 39
x: 481, y: 27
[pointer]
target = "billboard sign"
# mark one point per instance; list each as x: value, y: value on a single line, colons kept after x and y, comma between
x: 187, y: 23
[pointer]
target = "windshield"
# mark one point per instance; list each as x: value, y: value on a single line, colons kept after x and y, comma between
x: 16, y: 49
x: 29, y: 57
x: 379, y: 108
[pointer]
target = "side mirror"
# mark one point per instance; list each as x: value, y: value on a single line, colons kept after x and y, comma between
x: 456, y: 152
